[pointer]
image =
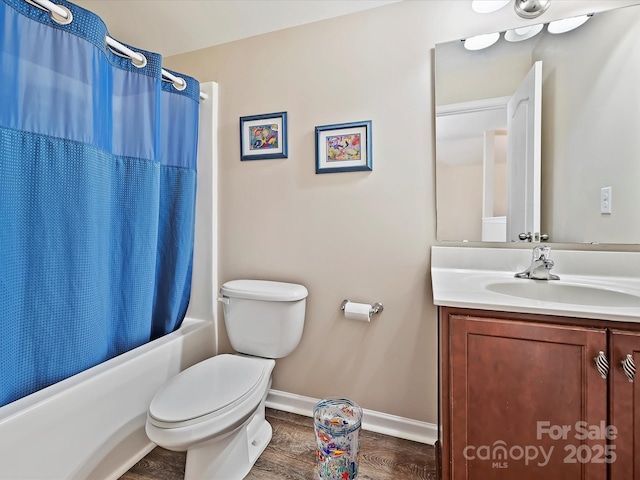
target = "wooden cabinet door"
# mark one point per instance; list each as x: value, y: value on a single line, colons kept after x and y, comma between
x: 517, y: 391
x: 624, y: 404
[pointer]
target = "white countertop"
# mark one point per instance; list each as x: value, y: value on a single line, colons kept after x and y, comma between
x: 593, y: 284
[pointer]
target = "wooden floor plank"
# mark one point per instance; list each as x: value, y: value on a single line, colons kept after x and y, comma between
x: 291, y: 455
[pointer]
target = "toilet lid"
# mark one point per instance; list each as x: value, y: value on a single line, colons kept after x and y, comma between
x: 205, y: 388
x: 265, y: 290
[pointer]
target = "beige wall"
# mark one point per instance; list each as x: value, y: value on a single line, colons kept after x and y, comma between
x: 364, y: 236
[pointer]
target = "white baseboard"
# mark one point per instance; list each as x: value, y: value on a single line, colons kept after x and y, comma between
x: 373, y: 421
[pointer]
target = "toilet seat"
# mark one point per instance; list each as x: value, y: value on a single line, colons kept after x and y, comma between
x: 207, y: 390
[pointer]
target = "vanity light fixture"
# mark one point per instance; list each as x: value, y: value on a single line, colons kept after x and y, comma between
x: 531, y: 8
x: 481, y: 41
x: 523, y: 33
x: 567, y: 24
x: 488, y: 6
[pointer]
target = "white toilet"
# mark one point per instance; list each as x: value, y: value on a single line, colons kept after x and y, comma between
x: 215, y: 410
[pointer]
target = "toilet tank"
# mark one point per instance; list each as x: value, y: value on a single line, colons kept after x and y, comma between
x: 264, y: 318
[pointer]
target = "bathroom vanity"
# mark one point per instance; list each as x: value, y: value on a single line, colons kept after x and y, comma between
x: 537, y: 377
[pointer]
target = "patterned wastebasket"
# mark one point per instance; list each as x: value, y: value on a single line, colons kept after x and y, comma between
x: 337, y: 427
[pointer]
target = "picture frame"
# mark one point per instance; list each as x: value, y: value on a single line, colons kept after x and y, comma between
x: 344, y: 147
x: 263, y: 137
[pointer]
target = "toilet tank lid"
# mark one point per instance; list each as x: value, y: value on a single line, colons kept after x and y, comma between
x: 267, y: 290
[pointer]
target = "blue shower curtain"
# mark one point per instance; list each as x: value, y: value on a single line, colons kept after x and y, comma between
x: 97, y: 198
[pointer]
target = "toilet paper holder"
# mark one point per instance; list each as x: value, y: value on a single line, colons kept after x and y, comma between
x: 375, y: 308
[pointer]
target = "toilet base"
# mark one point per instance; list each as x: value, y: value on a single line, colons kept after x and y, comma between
x: 232, y: 456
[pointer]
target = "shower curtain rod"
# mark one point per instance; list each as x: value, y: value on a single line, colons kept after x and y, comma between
x: 63, y: 15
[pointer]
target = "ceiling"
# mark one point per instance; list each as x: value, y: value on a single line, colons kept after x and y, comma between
x: 171, y: 27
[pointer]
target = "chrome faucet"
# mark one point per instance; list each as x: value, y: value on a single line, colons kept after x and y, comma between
x: 541, y: 265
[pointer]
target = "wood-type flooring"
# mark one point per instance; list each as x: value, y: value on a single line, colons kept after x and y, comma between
x: 291, y: 455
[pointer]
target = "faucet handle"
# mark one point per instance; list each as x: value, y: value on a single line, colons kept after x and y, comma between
x: 546, y: 251
x: 541, y: 252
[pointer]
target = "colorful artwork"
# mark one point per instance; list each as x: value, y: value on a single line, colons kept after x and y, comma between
x: 337, y: 426
x: 344, y: 147
x: 263, y: 137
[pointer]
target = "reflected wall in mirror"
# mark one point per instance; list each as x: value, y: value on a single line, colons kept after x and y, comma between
x: 589, y: 138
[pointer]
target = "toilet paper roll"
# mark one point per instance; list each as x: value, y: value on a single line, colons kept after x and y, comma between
x: 357, y: 311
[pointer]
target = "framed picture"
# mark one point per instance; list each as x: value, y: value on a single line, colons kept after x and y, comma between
x: 263, y: 137
x: 344, y: 147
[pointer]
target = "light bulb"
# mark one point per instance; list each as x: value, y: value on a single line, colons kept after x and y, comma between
x: 481, y: 41
x: 567, y: 24
x: 523, y: 33
x: 488, y: 6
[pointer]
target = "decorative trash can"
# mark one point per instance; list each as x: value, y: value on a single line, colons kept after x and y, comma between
x: 337, y: 427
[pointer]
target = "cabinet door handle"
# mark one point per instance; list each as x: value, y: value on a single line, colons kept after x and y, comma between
x: 629, y: 367
x: 602, y: 364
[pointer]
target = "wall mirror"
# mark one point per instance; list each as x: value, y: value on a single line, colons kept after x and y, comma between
x: 573, y: 173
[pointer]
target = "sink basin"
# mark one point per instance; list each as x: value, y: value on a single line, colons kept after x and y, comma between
x: 576, y: 294
x: 601, y: 285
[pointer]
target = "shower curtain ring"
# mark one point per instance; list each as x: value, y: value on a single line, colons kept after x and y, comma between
x: 56, y: 17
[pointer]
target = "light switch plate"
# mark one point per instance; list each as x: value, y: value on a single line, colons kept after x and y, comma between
x: 605, y: 200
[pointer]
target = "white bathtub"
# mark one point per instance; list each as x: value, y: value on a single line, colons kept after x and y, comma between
x: 91, y: 426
